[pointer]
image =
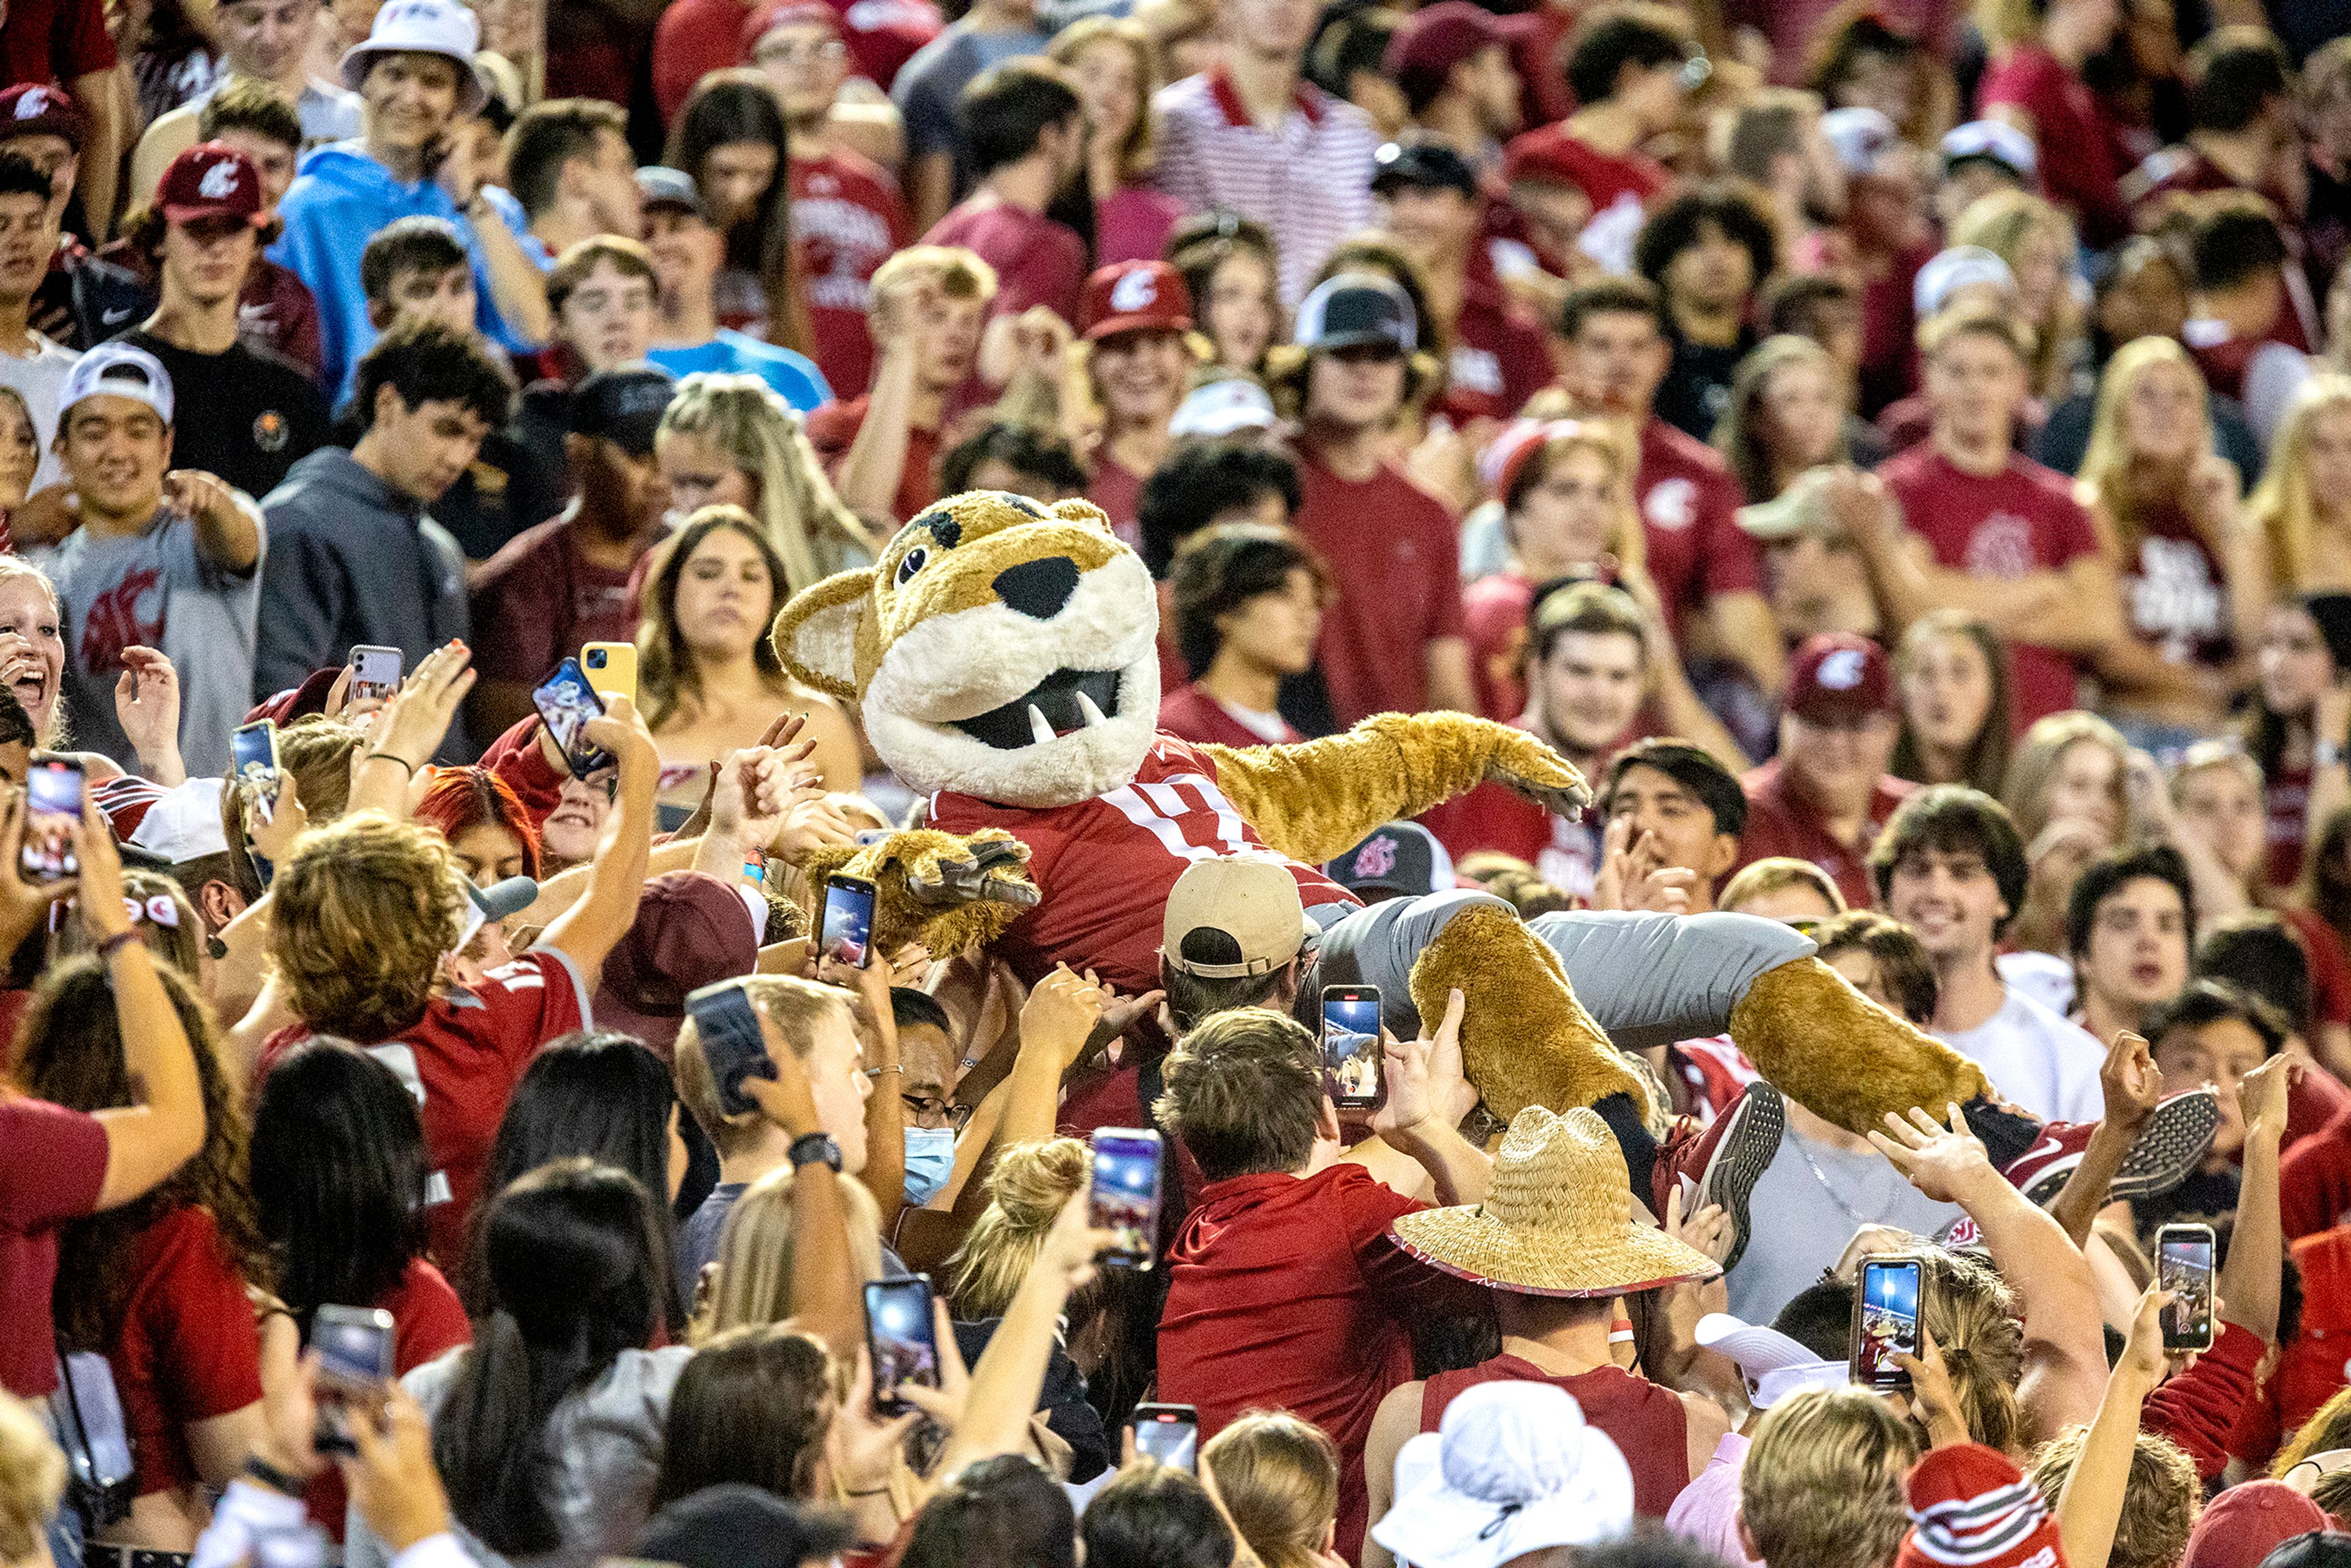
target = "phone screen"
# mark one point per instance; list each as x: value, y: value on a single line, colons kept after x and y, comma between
x: 52, y: 812
x: 566, y: 702
x: 1169, y: 1433
x: 847, y: 929
x: 903, y: 1337
x: 1126, y: 1192
x: 729, y: 1027
x: 354, y: 1345
x: 2183, y: 1263
x: 375, y: 674
x: 1888, y: 1309
x: 1350, y: 1044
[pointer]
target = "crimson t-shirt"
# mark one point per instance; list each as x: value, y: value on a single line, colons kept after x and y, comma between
x: 188, y: 1349
x: 55, y: 41
x: 1690, y: 521
x: 462, y: 1061
x: 1781, y: 822
x: 428, y: 1320
x: 833, y: 428
x: 1038, y: 261
x: 846, y: 220
x: 1118, y: 491
x: 1498, y: 359
x: 1286, y: 1294
x: 2004, y: 525
x: 2083, y: 160
x: 1191, y: 712
x: 1494, y: 615
x: 52, y: 1165
x: 1394, y: 554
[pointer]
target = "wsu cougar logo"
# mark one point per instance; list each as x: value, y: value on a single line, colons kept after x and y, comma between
x: 1135, y: 291
x: 130, y: 614
x: 219, y: 182
x: 1377, y: 858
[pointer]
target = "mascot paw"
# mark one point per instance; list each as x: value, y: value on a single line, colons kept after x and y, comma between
x: 946, y: 891
x: 1526, y: 765
x: 983, y: 868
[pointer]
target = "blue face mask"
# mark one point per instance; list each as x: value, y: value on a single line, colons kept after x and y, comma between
x: 930, y: 1160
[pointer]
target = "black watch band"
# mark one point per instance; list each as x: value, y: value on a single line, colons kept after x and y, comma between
x: 813, y: 1146
x: 272, y: 1478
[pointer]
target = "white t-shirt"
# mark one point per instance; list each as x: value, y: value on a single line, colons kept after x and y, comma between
x: 2041, y: 1063
x: 41, y: 381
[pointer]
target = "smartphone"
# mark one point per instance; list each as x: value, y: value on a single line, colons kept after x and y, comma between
x: 732, y: 1044
x: 1351, y: 1045
x: 2183, y: 1263
x: 566, y: 702
x: 902, y: 1336
x: 845, y: 932
x: 253, y: 759
x: 375, y: 674
x: 1126, y: 1193
x: 354, y: 1346
x: 612, y: 669
x: 1886, y: 1320
x: 52, y: 816
x: 1169, y: 1433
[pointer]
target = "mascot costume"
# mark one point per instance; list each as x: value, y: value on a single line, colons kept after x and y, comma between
x: 1004, y: 655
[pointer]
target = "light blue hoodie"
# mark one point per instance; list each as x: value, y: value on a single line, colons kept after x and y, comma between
x: 342, y: 198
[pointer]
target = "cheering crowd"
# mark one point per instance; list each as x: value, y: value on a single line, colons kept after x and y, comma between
x: 1763, y: 586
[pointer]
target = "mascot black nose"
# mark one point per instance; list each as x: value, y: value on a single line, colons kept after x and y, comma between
x: 1038, y: 589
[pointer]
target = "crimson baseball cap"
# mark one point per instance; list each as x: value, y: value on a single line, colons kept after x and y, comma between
x: 29, y: 108
x: 1838, y: 675
x: 210, y: 180
x: 1435, y: 39
x: 1134, y: 297
x: 787, y: 14
x: 692, y: 930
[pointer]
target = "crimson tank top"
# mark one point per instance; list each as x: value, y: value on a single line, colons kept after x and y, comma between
x: 1646, y: 1421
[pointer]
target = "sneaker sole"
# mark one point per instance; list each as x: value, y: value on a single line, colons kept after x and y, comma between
x: 2167, y: 1151
x: 1740, y: 1156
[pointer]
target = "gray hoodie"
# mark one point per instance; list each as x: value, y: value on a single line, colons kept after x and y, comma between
x: 352, y: 560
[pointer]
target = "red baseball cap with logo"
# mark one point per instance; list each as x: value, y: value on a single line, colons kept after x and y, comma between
x: 210, y: 180
x: 1836, y: 676
x: 30, y: 109
x: 1133, y: 296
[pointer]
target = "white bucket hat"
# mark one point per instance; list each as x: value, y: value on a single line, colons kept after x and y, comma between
x: 1516, y: 1471
x: 422, y: 28
x: 1774, y: 1365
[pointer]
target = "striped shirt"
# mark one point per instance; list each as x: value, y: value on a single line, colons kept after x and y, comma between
x: 1308, y: 180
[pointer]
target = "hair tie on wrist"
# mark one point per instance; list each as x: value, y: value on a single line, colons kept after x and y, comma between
x: 116, y: 943
x: 388, y: 756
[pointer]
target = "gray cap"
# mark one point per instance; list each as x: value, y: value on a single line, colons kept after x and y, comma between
x: 661, y: 187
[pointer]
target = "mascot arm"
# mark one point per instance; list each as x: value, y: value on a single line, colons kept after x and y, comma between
x: 1322, y: 797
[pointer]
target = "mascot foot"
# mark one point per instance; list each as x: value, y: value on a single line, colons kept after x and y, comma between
x: 1848, y: 1060
x: 950, y: 892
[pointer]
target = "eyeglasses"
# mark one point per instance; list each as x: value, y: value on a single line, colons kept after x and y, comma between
x: 929, y: 1111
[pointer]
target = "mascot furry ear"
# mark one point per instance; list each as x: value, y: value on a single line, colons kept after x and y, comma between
x: 816, y: 633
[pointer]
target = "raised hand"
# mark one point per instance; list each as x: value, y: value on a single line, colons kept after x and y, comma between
x: 1061, y: 1012
x: 2130, y: 1081
x: 1423, y: 1078
x: 2262, y: 1093
x: 418, y: 716
x: 1941, y: 1162
x: 147, y: 705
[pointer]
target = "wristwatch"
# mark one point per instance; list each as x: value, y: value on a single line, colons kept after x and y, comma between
x: 814, y: 1146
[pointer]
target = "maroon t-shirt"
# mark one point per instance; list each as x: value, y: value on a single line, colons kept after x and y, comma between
x: 1498, y: 359
x: 693, y: 39
x: 2174, y: 594
x: 2005, y: 525
x: 1494, y: 613
x: 846, y: 220
x: 1190, y: 712
x: 1287, y: 1293
x: 2084, y: 161
x: 55, y: 41
x: 188, y: 1348
x: 1118, y: 491
x: 1394, y: 554
x: 540, y: 598
x: 833, y: 428
x: 1038, y: 261
x: 427, y: 1321
x: 1689, y: 520
x: 2286, y: 798
x: 1781, y: 823
x: 52, y: 1165
x: 1646, y: 1421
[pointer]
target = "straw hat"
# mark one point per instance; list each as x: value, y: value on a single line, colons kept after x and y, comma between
x: 1557, y: 1219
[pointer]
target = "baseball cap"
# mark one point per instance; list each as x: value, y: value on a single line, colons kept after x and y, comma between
x: 1518, y: 1469
x: 733, y: 1525
x: 1858, y: 135
x: 1949, y: 271
x: 1435, y: 39
x: 1971, y: 1507
x: 1134, y: 297
x: 623, y: 406
x: 2245, y: 1523
x: 1774, y: 1365
x: 661, y: 187
x: 30, y: 109
x: 1221, y: 407
x: 2002, y: 143
x: 1402, y: 858
x: 118, y: 370
x: 1838, y: 675
x: 422, y: 27
x: 692, y: 930
x: 1250, y: 902
x: 1793, y: 510
x: 1422, y: 165
x: 180, y: 823
x: 1356, y: 310
x: 787, y: 14
x: 210, y: 180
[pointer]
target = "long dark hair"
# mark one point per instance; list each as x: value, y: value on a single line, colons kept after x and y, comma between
x: 667, y: 675
x: 1986, y: 762
x: 752, y: 1407
x: 593, y: 1094
x: 338, y: 1172
x: 69, y: 1052
x: 738, y: 105
x: 576, y: 1277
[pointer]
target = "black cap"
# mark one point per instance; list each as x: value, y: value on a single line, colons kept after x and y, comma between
x: 1399, y: 858
x: 1356, y: 310
x: 623, y: 406
x: 738, y: 1526
x: 1424, y: 165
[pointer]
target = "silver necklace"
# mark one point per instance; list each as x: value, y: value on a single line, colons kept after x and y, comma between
x: 1829, y: 1187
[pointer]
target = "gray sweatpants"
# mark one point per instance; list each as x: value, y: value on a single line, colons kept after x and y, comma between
x: 1647, y: 979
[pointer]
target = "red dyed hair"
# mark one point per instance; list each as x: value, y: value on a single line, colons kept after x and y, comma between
x: 460, y: 799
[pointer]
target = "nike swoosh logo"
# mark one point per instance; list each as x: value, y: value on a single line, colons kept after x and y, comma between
x: 110, y: 317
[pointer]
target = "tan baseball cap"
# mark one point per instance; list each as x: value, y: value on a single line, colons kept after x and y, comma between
x: 1250, y: 899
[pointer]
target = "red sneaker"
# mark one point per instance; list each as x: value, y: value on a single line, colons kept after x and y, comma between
x: 1721, y: 1161
x: 2168, y: 1148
